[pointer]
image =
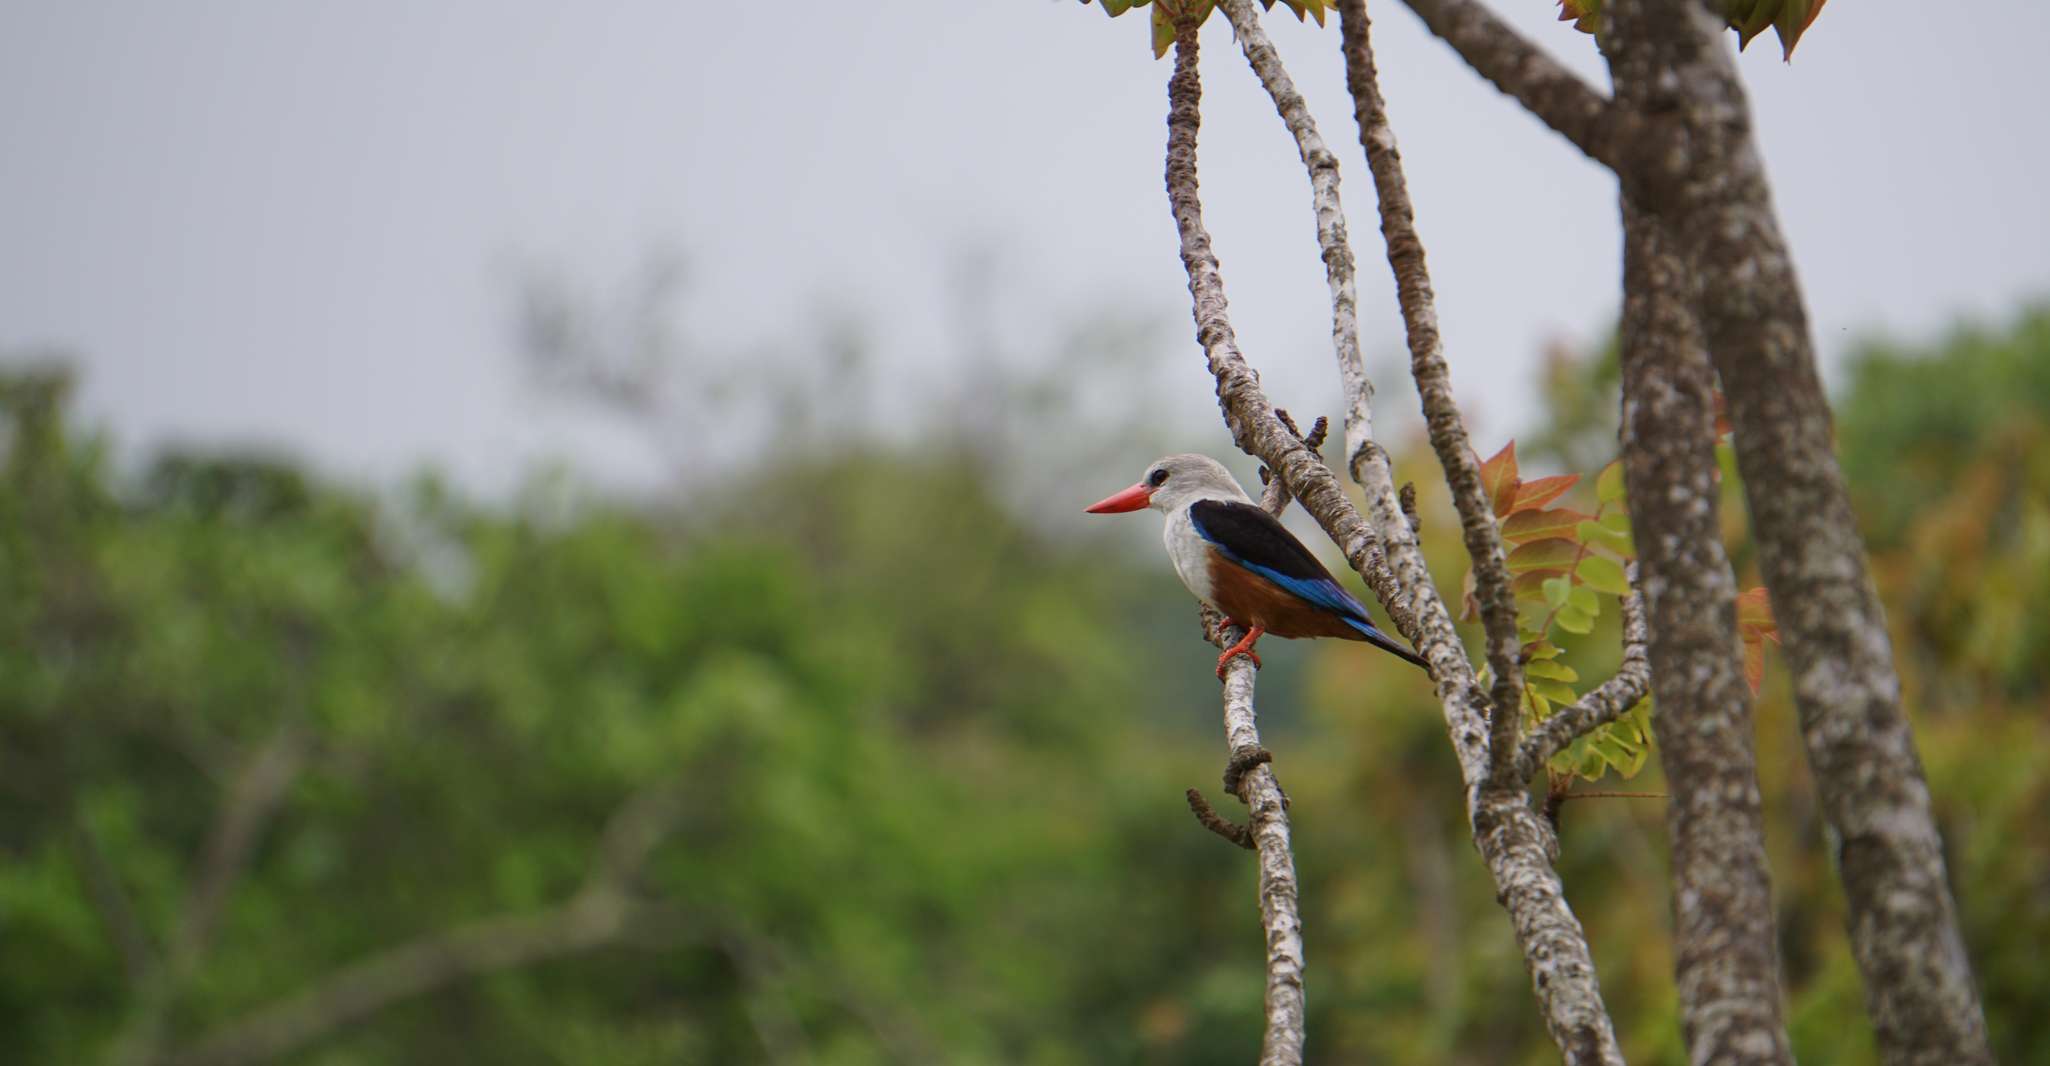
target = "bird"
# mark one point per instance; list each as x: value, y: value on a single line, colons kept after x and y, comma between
x: 1241, y: 560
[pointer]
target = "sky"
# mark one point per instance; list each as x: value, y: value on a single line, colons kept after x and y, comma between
x: 304, y: 224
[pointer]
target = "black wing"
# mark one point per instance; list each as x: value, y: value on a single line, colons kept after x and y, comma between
x: 1256, y: 540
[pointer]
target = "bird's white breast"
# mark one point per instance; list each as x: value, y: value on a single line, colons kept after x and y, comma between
x: 1189, y: 551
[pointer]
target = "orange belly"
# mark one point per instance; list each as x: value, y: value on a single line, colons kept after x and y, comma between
x: 1247, y: 597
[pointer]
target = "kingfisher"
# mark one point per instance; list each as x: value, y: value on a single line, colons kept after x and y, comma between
x: 1241, y: 560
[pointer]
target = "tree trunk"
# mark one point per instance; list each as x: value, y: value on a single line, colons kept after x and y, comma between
x: 1687, y: 155
x: 1726, y: 962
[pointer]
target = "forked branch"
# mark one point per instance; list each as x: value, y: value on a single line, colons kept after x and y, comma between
x: 1512, y: 839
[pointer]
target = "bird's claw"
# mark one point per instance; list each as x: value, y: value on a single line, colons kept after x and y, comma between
x: 1243, y: 647
x: 1228, y: 656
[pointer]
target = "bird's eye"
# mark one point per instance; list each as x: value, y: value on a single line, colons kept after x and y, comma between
x: 1157, y: 478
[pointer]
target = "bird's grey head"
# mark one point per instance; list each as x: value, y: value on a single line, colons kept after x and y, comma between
x: 1176, y: 481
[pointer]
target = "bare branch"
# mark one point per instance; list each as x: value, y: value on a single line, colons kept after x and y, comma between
x: 1514, y: 842
x: 1696, y: 165
x: 1217, y: 823
x: 1555, y: 95
x: 1283, y: 1043
x: 1726, y: 961
x: 1247, y: 413
x: 1434, y: 387
x: 1605, y: 704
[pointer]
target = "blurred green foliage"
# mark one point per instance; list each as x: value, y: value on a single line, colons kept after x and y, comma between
x: 926, y: 762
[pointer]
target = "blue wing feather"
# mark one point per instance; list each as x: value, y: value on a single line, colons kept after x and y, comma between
x: 1262, y: 535
x: 1317, y: 587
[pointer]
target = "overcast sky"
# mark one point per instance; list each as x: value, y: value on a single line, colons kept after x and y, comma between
x: 299, y: 223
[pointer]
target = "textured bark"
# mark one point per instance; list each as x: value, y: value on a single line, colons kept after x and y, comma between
x: 1726, y: 962
x: 1545, y: 88
x: 1513, y: 841
x: 1282, y: 1045
x: 1691, y: 160
x: 1605, y: 704
x: 1427, y: 366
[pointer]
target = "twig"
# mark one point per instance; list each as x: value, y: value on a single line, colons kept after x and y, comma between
x: 1561, y: 790
x: 1605, y: 704
x: 1282, y: 1044
x: 1217, y: 823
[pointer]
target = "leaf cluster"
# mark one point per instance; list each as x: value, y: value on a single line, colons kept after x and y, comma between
x: 1165, y: 12
x: 1564, y: 565
x: 1747, y: 18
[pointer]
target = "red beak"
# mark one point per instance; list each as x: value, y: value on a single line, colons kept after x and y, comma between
x: 1135, y: 498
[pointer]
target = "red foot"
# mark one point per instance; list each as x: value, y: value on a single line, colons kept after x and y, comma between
x: 1243, y: 647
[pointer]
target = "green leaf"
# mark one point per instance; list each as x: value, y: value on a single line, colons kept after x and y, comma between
x: 1550, y: 670
x: 1604, y: 575
x: 1582, y: 598
x: 1600, y: 533
x: 1608, y: 485
x: 1555, y: 691
x: 1556, y: 590
x: 1793, y: 21
x: 1538, y: 650
x: 1574, y: 620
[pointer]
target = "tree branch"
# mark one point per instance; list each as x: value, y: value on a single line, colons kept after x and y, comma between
x: 1726, y: 959
x: 253, y: 798
x: 1283, y: 1043
x: 603, y: 911
x: 1514, y: 843
x: 1605, y: 704
x: 1434, y: 384
x: 1555, y: 95
x: 1696, y: 165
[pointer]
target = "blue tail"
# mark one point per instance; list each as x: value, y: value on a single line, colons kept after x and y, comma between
x: 1385, y: 642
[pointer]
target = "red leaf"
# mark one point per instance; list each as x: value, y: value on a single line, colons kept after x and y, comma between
x: 1534, y: 494
x: 1552, y: 552
x: 1754, y: 613
x: 1498, y: 479
x: 1531, y: 582
x: 1534, y: 524
x: 1754, y: 664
